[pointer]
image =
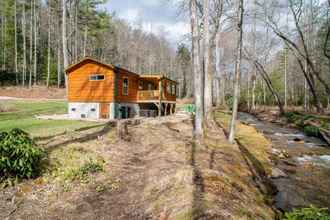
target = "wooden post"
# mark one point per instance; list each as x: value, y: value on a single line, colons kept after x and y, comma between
x: 160, y: 97
x: 165, y: 111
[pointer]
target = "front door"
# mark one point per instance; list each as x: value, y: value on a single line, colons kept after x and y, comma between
x: 104, y: 110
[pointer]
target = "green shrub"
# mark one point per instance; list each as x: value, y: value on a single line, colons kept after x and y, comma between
x: 292, y: 117
x: 19, y: 155
x: 313, y: 131
x: 310, y: 213
x: 82, y: 172
x: 91, y: 167
x: 229, y: 99
x: 189, y: 108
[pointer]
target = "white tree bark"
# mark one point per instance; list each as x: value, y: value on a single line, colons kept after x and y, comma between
x: 49, y: 38
x: 206, y: 54
x: 218, y: 70
x: 15, y: 30
x: 64, y: 43
x: 35, y: 41
x: 24, y: 44
x: 31, y: 45
x: 232, y: 128
x: 198, y: 74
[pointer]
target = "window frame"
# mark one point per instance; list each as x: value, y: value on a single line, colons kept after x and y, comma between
x: 96, y: 75
x: 141, y: 85
x: 123, y: 92
x: 173, y: 89
x: 150, y: 86
x: 168, y: 88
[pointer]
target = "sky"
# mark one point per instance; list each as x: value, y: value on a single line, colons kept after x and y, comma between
x: 156, y: 16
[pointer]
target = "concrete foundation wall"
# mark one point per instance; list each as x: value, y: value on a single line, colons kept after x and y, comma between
x: 80, y: 110
x: 134, y: 110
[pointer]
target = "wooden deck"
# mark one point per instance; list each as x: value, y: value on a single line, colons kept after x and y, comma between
x: 145, y: 96
x: 148, y: 95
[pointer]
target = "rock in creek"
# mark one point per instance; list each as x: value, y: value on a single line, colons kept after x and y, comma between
x: 277, y: 173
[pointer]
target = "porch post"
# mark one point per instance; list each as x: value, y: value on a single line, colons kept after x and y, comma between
x: 165, y: 111
x: 171, y: 108
x: 160, y: 84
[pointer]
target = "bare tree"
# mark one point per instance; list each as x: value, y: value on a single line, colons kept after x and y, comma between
x: 35, y: 17
x: 15, y: 30
x: 24, y: 44
x: 206, y: 50
x: 64, y: 43
x: 198, y: 74
x: 49, y: 42
x: 239, y: 17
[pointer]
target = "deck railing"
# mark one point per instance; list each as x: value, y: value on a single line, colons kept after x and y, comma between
x: 145, y: 95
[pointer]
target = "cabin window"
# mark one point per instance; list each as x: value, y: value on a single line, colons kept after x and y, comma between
x: 168, y: 88
x: 173, y: 89
x: 125, y: 86
x: 140, y: 85
x: 149, y: 86
x: 96, y: 77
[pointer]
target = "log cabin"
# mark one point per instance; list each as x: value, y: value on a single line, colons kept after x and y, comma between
x: 102, y: 91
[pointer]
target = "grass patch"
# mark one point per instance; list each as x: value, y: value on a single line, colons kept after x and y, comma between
x: 23, y: 117
x: 308, y: 213
x: 257, y: 145
x: 74, y: 163
x: 82, y: 173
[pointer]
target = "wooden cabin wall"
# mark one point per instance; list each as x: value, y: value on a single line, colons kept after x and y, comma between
x: 133, y: 87
x: 168, y: 96
x: 81, y: 89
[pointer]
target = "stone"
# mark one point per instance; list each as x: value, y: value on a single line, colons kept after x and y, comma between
x: 277, y: 173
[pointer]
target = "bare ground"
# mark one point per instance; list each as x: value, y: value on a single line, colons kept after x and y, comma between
x: 157, y: 172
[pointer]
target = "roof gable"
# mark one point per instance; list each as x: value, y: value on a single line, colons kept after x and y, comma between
x: 87, y: 60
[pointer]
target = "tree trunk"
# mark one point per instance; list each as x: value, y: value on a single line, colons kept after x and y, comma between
x: 198, y: 75
x: 218, y: 70
x: 15, y: 30
x: 35, y: 42
x: 64, y: 43
x: 268, y: 82
x: 206, y: 50
x: 3, y: 36
x: 31, y: 45
x: 24, y: 44
x: 239, y: 18
x: 48, y: 50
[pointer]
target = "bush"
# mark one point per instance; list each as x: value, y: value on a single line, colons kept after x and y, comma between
x: 82, y: 172
x: 312, y: 131
x: 310, y: 213
x: 292, y: 117
x: 19, y: 155
x: 229, y: 99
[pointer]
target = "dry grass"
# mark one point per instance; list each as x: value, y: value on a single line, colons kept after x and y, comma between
x: 158, y: 171
x: 36, y: 92
x: 253, y: 141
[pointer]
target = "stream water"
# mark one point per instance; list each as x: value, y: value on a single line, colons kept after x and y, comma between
x: 302, y: 165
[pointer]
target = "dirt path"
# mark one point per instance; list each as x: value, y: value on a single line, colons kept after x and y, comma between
x: 157, y: 172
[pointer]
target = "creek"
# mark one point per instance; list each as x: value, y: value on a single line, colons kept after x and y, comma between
x: 301, y: 170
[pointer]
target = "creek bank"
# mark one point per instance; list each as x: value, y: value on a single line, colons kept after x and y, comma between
x: 310, y: 124
x: 304, y: 160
